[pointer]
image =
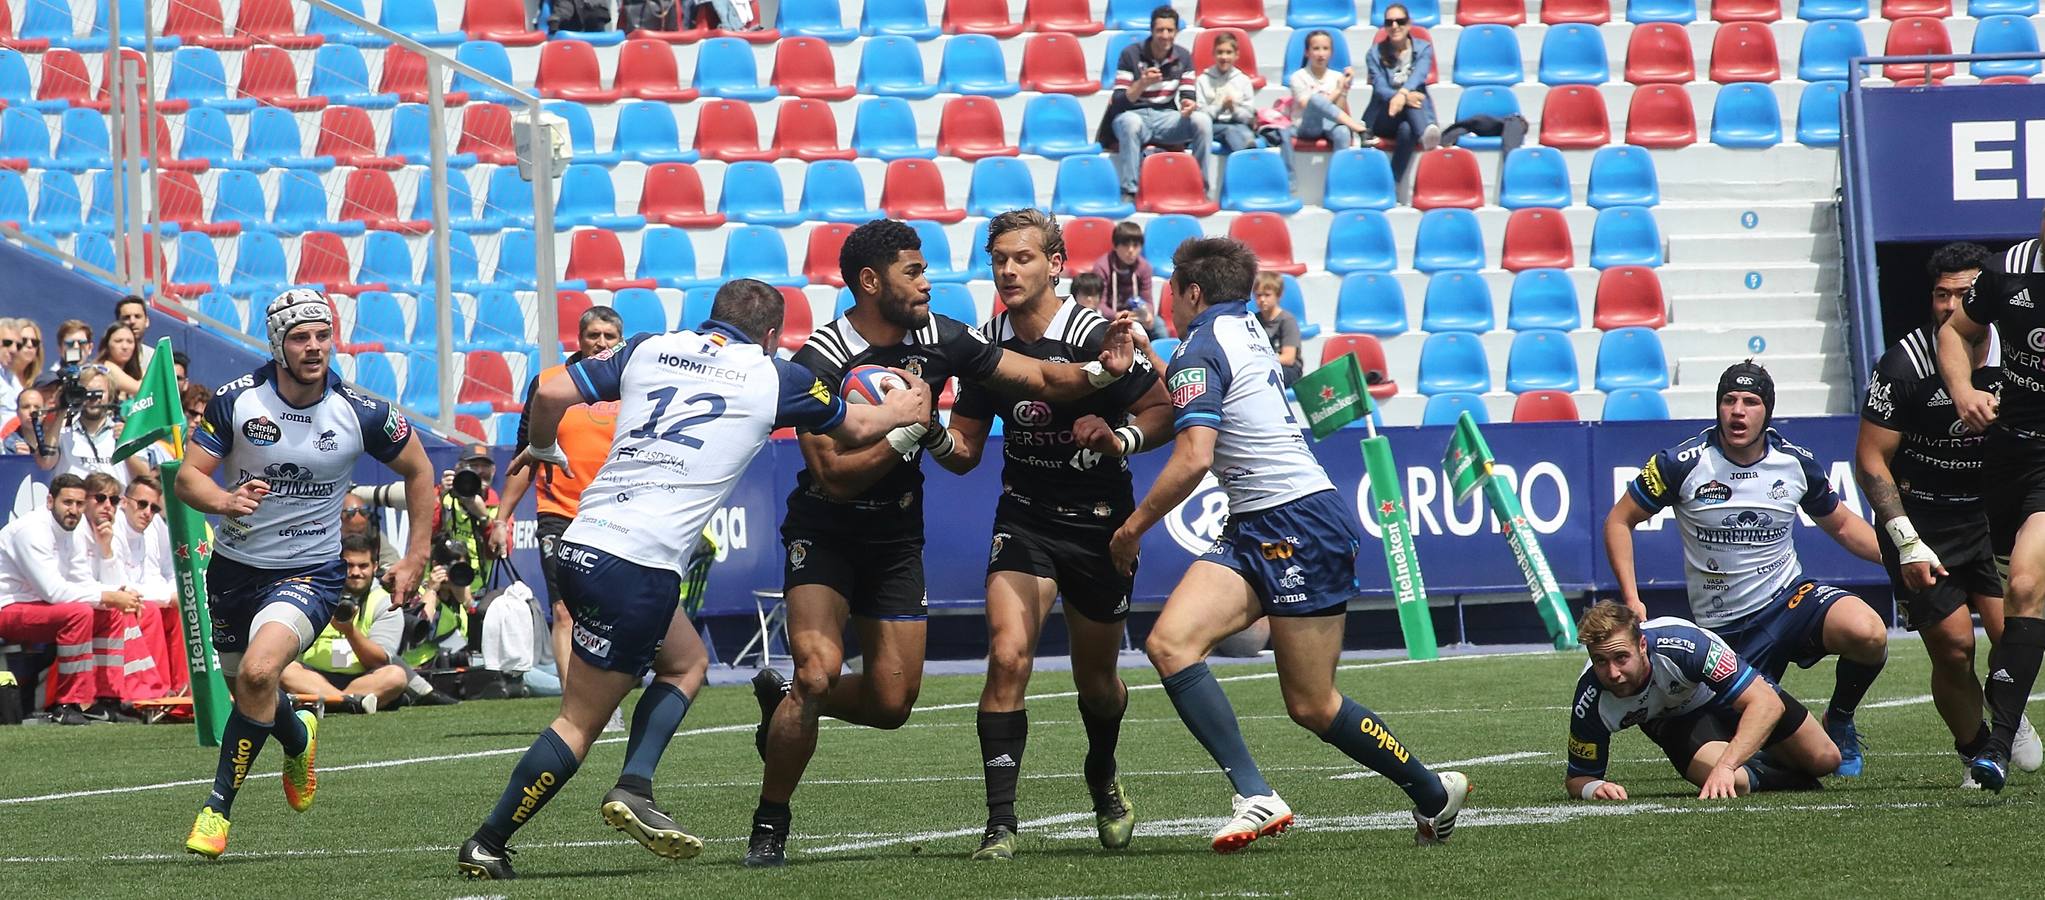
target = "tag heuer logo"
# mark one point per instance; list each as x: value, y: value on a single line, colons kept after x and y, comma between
x: 1187, y: 386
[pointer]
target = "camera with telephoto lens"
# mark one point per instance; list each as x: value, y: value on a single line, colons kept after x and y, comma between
x: 70, y: 392
x: 467, y: 483
x: 346, y: 609
x: 453, y: 554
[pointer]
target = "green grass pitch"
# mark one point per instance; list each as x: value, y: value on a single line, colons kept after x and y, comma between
x: 86, y: 812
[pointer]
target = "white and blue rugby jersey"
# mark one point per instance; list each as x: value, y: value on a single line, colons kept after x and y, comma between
x: 1736, y: 520
x: 694, y: 408
x: 1224, y: 376
x: 307, y: 456
x: 1692, y: 669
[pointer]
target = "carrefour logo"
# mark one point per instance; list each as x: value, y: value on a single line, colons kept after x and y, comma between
x: 1197, y: 523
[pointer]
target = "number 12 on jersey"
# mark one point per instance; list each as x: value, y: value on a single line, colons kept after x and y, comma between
x: 713, y: 404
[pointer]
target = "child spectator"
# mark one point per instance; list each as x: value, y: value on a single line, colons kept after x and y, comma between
x: 1279, y: 325
x: 1089, y: 291
x: 1229, y: 98
x: 1127, y: 276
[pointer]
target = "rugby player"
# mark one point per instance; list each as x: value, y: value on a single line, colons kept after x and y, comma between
x: 697, y: 406
x: 1288, y: 552
x: 1065, y: 489
x: 2013, y: 463
x: 1725, y: 728
x: 289, y: 434
x: 854, y: 530
x: 1920, y: 468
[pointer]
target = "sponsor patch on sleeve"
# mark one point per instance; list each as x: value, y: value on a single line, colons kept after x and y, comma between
x: 1651, y: 477
x: 820, y: 391
x: 396, y: 427
x: 1584, y: 751
x: 1186, y: 386
x: 1720, y: 662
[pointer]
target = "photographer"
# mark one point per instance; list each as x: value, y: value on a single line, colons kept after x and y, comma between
x: 467, y: 503
x: 23, y: 432
x: 90, y: 430
x: 434, y: 636
x: 353, y: 664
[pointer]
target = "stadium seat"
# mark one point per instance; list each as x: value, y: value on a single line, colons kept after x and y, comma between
x: 507, y: 201
x: 517, y: 267
x: 1659, y: 117
x: 697, y: 304
x: 1448, y: 177
x: 1574, y: 53
x: 1171, y: 182
x: 197, y: 268
x: 1054, y: 127
x: 1293, y: 299
x: 569, y: 71
x: 1485, y: 100
x: 646, y: 133
x: 1072, y: 17
x: 500, y: 323
x: 972, y: 64
x: 820, y: 258
x: 757, y: 251
x: 953, y: 301
x: 1541, y: 360
x: 1128, y: 15
x: 1537, y: 239
x: 726, y: 131
x: 1457, y: 301
x: 1360, y: 240
x: 272, y: 23
x: 337, y: 30
x: 1573, y: 117
x: 1245, y: 14
x: 463, y: 263
x: 1246, y: 59
x: 641, y: 311
x: 1903, y: 9
x: 1982, y: 9
x: 1659, y: 53
x: 486, y: 378
x: 1370, y: 303
x: 1543, y: 298
x: 82, y: 141
x: 1370, y: 357
x: 906, y: 18
x: 1635, y: 405
x: 914, y: 189
x: 1587, y: 12
x: 1360, y: 178
x: 832, y: 191
x: 1488, y: 54
x: 725, y: 68
x: 2003, y: 34
x: 942, y: 267
x: 422, y: 384
x: 63, y: 82
x: 1631, y: 358
x: 503, y: 21
x: 1448, y: 239
x: 488, y: 57
x: 1746, y: 10
x: 668, y: 258
x: 586, y: 198
x: 1162, y: 237
x: 1510, y: 13
x: 387, y: 260
x: 647, y: 70
x: 970, y: 128
x: 569, y: 305
x: 1675, y: 12
x: 1544, y: 405
x: 884, y: 128
x: 1055, y: 63
x: 1917, y: 35
x: 892, y: 66
x: 1625, y: 236
x: 813, y: 18
x: 197, y: 77
x: 1629, y: 296
x: 1623, y: 176
x: 796, y: 322
x: 375, y: 373
x: 404, y: 73
x: 302, y: 206
x: 1257, y: 181
x: 672, y: 194
x: 348, y: 137
x: 1453, y: 361
x: 258, y: 265
x: 99, y: 214
x: 1087, y: 239
x: 1742, y: 52
x: 221, y: 307
x: 1267, y: 235
x: 418, y: 21
x: 752, y: 194
x: 1117, y: 42
x: 323, y: 260
x: 804, y: 67
x: 340, y: 75
x: 596, y: 259
x: 192, y: 22
x: 17, y: 87
x: 1817, y: 114
x: 807, y: 130
x: 368, y: 196
x: 988, y: 17
x: 179, y: 203
x: 998, y: 185
x: 60, y: 206
x: 268, y: 77
x: 1426, y: 13
x: 1533, y: 176
x: 1745, y: 115
x: 582, y: 133
x: 1826, y: 48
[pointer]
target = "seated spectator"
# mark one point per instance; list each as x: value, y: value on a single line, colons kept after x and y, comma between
x: 1229, y: 99
x: 595, y: 15
x: 89, y: 432
x: 142, y: 548
x: 133, y: 312
x: 732, y: 15
x: 1320, y: 96
x: 28, y: 352
x: 139, y: 677
x: 1126, y: 275
x: 119, y: 359
x: 182, y: 364
x: 23, y: 432
x: 1279, y: 325
x: 353, y: 664
x: 1090, y: 291
x: 1154, y: 101
x: 53, y: 590
x: 10, y: 380
x: 1400, y: 108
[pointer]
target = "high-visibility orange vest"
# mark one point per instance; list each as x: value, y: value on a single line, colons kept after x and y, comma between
x: 585, y: 438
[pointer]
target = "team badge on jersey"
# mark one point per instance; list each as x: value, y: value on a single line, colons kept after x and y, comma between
x: 798, y: 553
x: 326, y: 442
x: 1000, y: 538
x: 1188, y: 385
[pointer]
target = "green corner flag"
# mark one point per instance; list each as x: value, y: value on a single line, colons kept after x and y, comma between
x: 1468, y: 465
x: 1333, y: 396
x: 155, y: 413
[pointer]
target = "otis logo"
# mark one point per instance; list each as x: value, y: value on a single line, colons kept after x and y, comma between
x: 1032, y: 413
x: 261, y: 432
x: 1197, y: 523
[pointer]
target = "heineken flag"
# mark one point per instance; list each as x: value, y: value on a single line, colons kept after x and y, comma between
x: 190, y: 551
x: 1468, y: 465
x: 155, y: 413
x: 1409, y: 591
x: 1333, y: 396
x: 1468, y: 460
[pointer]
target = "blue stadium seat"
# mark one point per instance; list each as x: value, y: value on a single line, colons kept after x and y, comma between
x: 832, y: 191
x: 500, y: 323
x: 884, y: 128
x: 1817, y: 114
x: 1448, y: 238
x: 50, y: 20
x: 1625, y: 236
x: 1826, y: 47
x: 1746, y: 115
x: 1128, y: 15
x: 1257, y: 181
x: 1543, y: 298
x: 379, y: 319
x: 1623, y: 176
x: 60, y: 206
x: 972, y: 64
x: 1632, y: 357
x: 463, y: 263
x: 1361, y: 178
x: 340, y: 74
x: 517, y: 266
x: 1635, y: 405
x: 954, y: 301
x: 647, y: 133
x: 95, y: 248
x: 1678, y: 12
x: 1162, y: 237
x: 1360, y: 240
x: 752, y: 194
x: 999, y: 184
x: 197, y: 262
x: 1982, y: 9
x: 892, y: 66
x: 1534, y: 176
x: 1457, y: 301
x: 1851, y: 10
x: 208, y: 136
x: 1054, y: 126
x: 373, y: 371
x: 1087, y: 186
x: 1485, y: 100
x: 420, y: 22
x: 82, y: 141
x: 387, y: 260
x: 13, y: 198
x: 813, y: 18
x: 1293, y: 299
x: 258, y: 265
x: 1448, y: 409
x: 17, y: 88
x: 697, y: 302
x: 338, y: 30
x: 978, y: 264
x: 667, y: 256
x: 409, y: 139
x: 1541, y: 359
x: 725, y: 68
x: 1426, y: 13
x: 488, y: 57
x: 99, y: 213
x: 757, y: 251
x: 198, y: 78
x: 1165, y: 347
x: 426, y: 325
x: 1333, y: 15
x: 2002, y: 34
x: 582, y: 133
x: 422, y: 384
x: 937, y: 253
x: 1573, y: 53
x: 507, y: 200
x: 1370, y: 303
x: 1488, y: 54
x: 1117, y: 40
x: 1296, y: 55
x: 841, y: 303
x: 461, y: 203
x: 587, y: 199
x: 907, y: 18
x: 302, y: 206
x: 216, y: 305
x: 134, y: 16
x: 641, y: 310
x: 273, y: 139
x: 504, y: 427
x: 1453, y: 361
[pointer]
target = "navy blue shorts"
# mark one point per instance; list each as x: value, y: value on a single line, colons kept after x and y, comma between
x: 235, y: 593
x: 1300, y: 557
x: 1790, y: 629
x: 621, y: 608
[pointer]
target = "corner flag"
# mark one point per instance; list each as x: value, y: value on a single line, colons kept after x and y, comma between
x: 155, y: 413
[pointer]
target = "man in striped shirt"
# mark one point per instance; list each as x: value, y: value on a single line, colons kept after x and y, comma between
x: 1155, y: 98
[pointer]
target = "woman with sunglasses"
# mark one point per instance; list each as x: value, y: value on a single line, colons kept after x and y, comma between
x: 10, y: 382
x: 1399, y: 106
x: 27, y: 366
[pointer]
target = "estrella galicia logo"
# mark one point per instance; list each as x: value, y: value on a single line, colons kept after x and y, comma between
x: 261, y: 432
x: 1196, y: 525
x: 1713, y: 493
x: 326, y: 442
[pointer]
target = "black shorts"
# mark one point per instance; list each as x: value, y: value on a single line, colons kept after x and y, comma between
x: 1682, y: 736
x: 1960, y: 537
x: 548, y: 529
x: 880, y: 578
x: 2016, y: 467
x: 1072, y: 553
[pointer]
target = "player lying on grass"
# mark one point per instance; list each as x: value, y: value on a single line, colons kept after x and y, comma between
x: 1728, y: 729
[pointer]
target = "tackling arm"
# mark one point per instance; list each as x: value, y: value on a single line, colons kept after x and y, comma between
x: 1960, y: 343
x: 1192, y: 453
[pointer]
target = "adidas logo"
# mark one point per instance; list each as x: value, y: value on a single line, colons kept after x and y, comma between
x: 2023, y: 299
x: 2001, y: 675
x: 1004, y: 761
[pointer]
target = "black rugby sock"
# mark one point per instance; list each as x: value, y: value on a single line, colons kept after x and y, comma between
x: 1002, y: 736
x: 1103, y: 732
x: 1853, y: 680
x: 2012, y: 669
x: 1973, y: 746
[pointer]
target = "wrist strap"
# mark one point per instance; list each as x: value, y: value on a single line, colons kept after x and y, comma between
x: 939, y: 442
x: 1589, y: 790
x: 1098, y: 375
x: 1131, y: 438
x: 1901, y: 531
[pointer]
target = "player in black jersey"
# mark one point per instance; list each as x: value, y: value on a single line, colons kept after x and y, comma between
x: 2013, y: 462
x: 854, y: 531
x: 1065, y: 489
x: 1921, y: 469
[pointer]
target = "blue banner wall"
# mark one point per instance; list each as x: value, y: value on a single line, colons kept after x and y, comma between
x: 1954, y: 163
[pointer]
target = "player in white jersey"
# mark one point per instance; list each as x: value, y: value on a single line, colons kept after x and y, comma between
x: 1724, y: 727
x: 695, y: 407
x: 289, y: 435
x: 1287, y: 552
x: 1736, y: 489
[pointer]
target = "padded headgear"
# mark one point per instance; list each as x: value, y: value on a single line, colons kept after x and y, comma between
x: 1748, y: 376
x: 291, y: 309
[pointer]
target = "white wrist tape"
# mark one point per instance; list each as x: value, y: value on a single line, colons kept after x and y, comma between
x: 1098, y: 375
x: 1131, y: 438
x: 1909, y: 547
x: 1590, y: 790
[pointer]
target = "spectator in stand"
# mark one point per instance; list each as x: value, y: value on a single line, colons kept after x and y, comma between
x: 21, y: 435
x: 732, y: 15
x: 1279, y: 325
x: 10, y: 381
x: 28, y: 352
x: 119, y: 360
x: 1226, y: 94
x: 1126, y: 275
x: 353, y: 664
x: 142, y: 547
x: 74, y: 345
x: 1090, y: 291
x: 89, y: 433
x: 182, y: 365
x: 1153, y: 101
x: 51, y: 592
x: 133, y: 312
x: 1400, y: 108
x: 359, y: 518
x: 1320, y: 96
x: 137, y: 676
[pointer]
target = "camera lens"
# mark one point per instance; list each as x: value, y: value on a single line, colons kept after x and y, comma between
x: 467, y: 483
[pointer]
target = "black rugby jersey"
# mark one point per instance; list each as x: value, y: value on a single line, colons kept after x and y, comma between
x: 1937, y: 462
x: 2002, y: 296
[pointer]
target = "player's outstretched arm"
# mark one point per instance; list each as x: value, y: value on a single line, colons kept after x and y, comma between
x: 1022, y: 376
x: 1961, y: 342
x: 864, y: 424
x: 1873, y: 453
x: 1590, y: 787
x: 1619, y: 525
x: 1853, y: 533
x: 1192, y: 453
x: 1759, y: 710
x: 412, y: 465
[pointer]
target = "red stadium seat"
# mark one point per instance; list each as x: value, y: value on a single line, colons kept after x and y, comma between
x: 1164, y: 308
x: 179, y: 202
x: 673, y: 195
x: 1267, y: 235
x: 569, y: 71
x: 100, y: 101
x: 914, y: 190
x: 1054, y: 63
x: 323, y: 260
x: 268, y: 77
x: 1087, y: 239
x: 486, y: 378
x: 166, y: 155
x: 1746, y: 10
x: 404, y: 74
x: 1660, y: 117
x: 272, y: 23
x: 1448, y: 177
x: 1494, y: 12
x: 1628, y: 296
x: 568, y: 309
x: 988, y: 17
x: 820, y: 261
x: 197, y: 22
x: 646, y: 70
x: 727, y: 131
x: 690, y: 32
x: 1245, y: 14
x: 796, y: 320
x: 486, y: 132
x: 503, y: 21
x: 1544, y: 406
x: 2005, y: 79
x: 1918, y: 36
x: 369, y: 197
x: 65, y: 78
x: 971, y: 128
x: 1903, y: 9
x: 1537, y: 239
x: 469, y: 426
x: 1659, y: 53
x: 806, y: 130
x: 1744, y: 51
x: 1573, y: 117
x: 38, y: 45
x: 1171, y: 182
x: 594, y: 256
x: 1073, y: 17
x: 1246, y: 60
x: 804, y: 67
x: 347, y: 135
x: 1370, y: 357
x: 1588, y: 12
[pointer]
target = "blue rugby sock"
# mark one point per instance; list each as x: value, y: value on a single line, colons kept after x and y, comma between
x: 539, y: 775
x: 1361, y: 735
x: 286, y: 728
x: 240, y: 741
x: 1207, y: 713
x: 660, y: 711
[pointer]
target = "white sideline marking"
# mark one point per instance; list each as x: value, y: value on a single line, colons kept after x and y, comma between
x: 921, y: 836
x: 1450, y: 764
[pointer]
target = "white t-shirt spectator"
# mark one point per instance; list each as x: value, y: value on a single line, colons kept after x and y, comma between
x: 1305, y: 85
x: 144, y: 557
x: 42, y: 563
x: 82, y: 453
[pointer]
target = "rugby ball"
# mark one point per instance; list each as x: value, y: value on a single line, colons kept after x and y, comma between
x: 867, y: 384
